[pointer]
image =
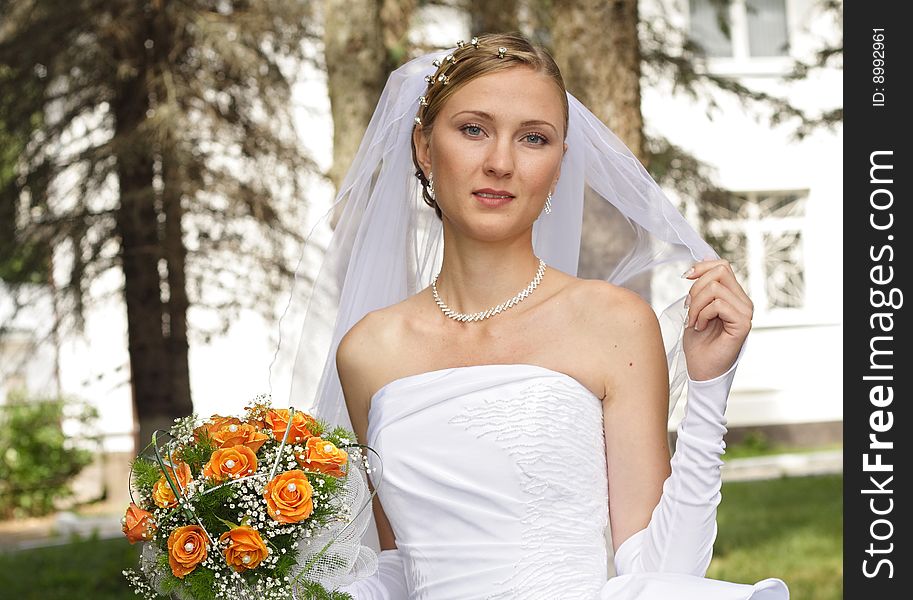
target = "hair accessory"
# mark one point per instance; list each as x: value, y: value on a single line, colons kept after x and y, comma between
x: 451, y: 58
x: 418, y: 121
x: 494, y: 310
x: 443, y: 78
x: 501, y: 51
x: 460, y: 44
x: 429, y: 79
x: 436, y: 62
x: 423, y: 101
x: 475, y: 42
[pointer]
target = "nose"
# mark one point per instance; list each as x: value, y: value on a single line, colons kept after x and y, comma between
x: 499, y: 160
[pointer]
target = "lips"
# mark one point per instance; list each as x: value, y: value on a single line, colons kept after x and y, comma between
x: 492, y: 192
x: 492, y: 198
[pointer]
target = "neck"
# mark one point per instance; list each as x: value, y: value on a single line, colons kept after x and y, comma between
x: 477, y: 275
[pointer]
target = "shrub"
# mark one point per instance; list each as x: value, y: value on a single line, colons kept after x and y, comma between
x: 37, y: 459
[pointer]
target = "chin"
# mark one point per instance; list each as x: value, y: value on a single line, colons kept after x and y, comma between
x: 486, y: 226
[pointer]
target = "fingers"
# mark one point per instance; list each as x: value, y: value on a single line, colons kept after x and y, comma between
x: 710, y: 271
x: 732, y: 319
x: 699, y: 268
x: 715, y: 292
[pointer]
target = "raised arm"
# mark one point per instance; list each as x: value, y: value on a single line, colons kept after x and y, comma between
x: 682, y: 527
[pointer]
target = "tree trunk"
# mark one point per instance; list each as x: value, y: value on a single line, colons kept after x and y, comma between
x: 137, y: 224
x: 395, y: 19
x: 157, y: 399
x: 355, y: 58
x: 493, y: 17
x: 172, y: 236
x: 175, y: 259
x: 597, y: 48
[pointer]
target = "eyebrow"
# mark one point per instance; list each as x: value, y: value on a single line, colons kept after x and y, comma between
x: 485, y: 115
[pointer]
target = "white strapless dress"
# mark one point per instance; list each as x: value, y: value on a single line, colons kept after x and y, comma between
x: 494, y: 482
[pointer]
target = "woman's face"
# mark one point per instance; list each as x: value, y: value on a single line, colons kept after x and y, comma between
x: 501, y: 134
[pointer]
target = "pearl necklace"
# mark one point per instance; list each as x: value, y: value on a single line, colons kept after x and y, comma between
x: 465, y: 317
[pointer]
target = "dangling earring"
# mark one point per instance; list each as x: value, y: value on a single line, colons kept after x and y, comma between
x: 548, y: 203
x: 431, y: 185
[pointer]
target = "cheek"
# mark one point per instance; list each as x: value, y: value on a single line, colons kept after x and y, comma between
x: 539, y: 171
x: 454, y: 160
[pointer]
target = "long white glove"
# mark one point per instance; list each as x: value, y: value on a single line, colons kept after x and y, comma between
x: 682, y: 529
x: 388, y: 583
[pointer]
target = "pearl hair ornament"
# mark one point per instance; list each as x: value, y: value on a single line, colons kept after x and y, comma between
x: 444, y: 79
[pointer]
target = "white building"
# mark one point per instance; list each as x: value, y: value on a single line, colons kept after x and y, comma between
x: 782, y: 224
x: 781, y: 227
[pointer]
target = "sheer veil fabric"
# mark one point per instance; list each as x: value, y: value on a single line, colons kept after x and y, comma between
x: 387, y: 244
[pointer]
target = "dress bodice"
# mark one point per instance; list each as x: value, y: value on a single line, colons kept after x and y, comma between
x: 494, y: 478
x: 494, y: 482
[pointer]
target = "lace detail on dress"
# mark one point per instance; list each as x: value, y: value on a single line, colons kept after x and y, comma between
x: 554, y: 434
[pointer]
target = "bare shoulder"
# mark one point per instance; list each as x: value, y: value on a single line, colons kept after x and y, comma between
x: 359, y: 360
x: 601, y: 302
x: 620, y: 329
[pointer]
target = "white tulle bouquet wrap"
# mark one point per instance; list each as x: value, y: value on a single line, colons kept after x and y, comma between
x: 271, y: 505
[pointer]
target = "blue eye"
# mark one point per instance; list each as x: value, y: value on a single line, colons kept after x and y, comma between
x: 536, y: 135
x: 466, y: 128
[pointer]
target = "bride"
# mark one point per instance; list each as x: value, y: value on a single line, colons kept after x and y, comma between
x: 519, y: 409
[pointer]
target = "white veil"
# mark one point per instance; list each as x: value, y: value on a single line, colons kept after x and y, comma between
x: 388, y: 243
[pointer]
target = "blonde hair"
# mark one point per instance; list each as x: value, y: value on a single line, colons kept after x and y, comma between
x: 471, y: 61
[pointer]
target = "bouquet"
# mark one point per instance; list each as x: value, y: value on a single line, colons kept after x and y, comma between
x: 270, y: 506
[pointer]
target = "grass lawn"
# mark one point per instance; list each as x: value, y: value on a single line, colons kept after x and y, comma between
x: 786, y: 528
x: 82, y: 570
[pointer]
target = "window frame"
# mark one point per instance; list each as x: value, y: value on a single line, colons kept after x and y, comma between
x: 754, y: 226
x: 741, y: 63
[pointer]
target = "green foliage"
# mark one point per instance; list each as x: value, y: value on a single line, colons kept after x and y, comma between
x: 145, y: 473
x: 116, y: 102
x: 198, y: 454
x: 210, y: 509
x: 168, y: 582
x: 20, y: 262
x: 337, y: 434
x: 755, y: 443
x: 287, y: 560
x: 313, y: 591
x: 199, y: 583
x: 37, y: 461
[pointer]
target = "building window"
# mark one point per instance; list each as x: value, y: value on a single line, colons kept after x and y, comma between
x: 740, y: 28
x: 760, y: 234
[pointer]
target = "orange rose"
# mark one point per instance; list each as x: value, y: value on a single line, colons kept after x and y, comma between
x: 245, y: 548
x: 234, y: 434
x: 162, y: 494
x: 230, y: 463
x: 303, y: 425
x: 138, y: 524
x: 186, y: 549
x: 288, y: 497
x: 214, y: 423
x: 321, y: 455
